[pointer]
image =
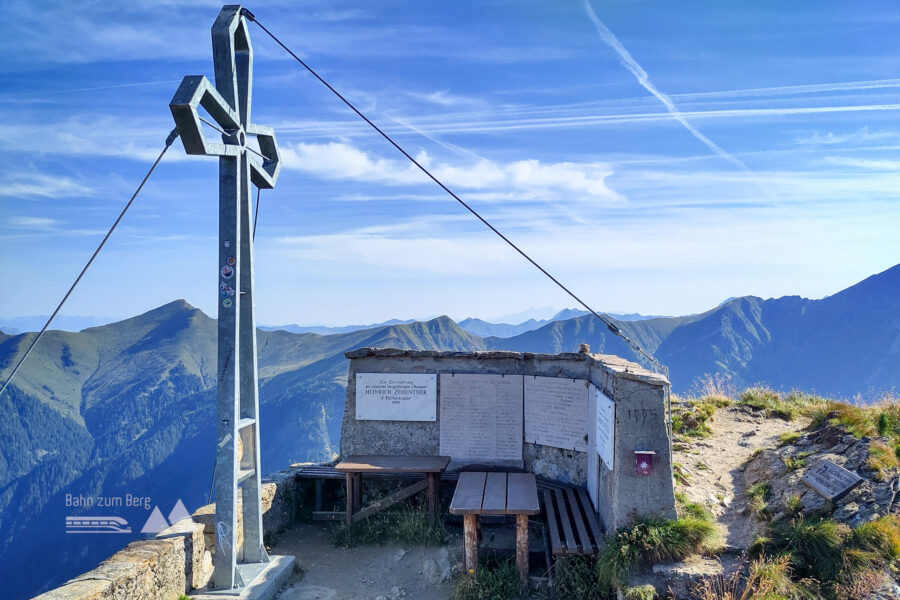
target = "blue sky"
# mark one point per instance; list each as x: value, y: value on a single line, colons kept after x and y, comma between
x: 658, y: 157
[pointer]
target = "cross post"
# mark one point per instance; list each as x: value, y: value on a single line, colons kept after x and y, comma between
x: 237, y: 474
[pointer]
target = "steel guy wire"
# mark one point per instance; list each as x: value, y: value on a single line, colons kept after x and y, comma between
x: 172, y: 136
x: 609, y: 324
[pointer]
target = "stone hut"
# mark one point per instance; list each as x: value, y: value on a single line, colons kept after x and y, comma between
x: 591, y: 420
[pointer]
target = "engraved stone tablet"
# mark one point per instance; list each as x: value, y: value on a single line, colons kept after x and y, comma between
x: 481, y: 417
x: 606, y: 423
x: 396, y: 397
x: 556, y: 412
x: 831, y: 480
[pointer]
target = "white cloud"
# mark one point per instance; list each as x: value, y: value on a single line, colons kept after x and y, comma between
x: 45, y: 186
x: 860, y: 136
x: 31, y: 222
x: 337, y: 160
x: 90, y: 135
x: 446, y: 99
x: 863, y: 163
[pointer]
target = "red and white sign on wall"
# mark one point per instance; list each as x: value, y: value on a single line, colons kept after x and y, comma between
x: 643, y: 461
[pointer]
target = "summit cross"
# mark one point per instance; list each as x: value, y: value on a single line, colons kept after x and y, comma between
x: 237, y: 424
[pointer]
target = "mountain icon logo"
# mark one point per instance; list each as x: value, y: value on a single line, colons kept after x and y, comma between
x: 156, y: 522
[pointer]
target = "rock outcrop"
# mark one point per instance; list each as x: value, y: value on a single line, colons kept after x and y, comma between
x: 783, y: 468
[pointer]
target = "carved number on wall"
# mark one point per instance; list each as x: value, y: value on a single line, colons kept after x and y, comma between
x: 640, y: 415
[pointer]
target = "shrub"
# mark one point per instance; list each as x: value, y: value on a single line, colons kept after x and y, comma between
x: 888, y: 422
x: 498, y: 581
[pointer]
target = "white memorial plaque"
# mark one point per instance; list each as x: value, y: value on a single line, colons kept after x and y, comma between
x: 481, y: 417
x: 396, y: 397
x: 606, y: 426
x: 556, y: 412
x: 593, y: 459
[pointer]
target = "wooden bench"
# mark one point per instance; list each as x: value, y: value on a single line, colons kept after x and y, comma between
x: 354, y: 467
x: 572, y: 524
x: 479, y: 493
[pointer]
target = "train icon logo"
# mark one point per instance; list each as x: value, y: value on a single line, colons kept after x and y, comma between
x: 94, y: 524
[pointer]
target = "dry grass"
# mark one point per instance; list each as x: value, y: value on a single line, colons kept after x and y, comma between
x: 761, y: 579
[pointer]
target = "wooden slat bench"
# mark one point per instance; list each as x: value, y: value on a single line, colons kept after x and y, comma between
x: 498, y: 493
x: 572, y: 524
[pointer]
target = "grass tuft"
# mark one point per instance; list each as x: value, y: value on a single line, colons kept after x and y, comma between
x: 793, y: 505
x: 881, y: 536
x: 757, y: 498
x: 497, y: 581
x: 787, y: 407
x: 788, y: 438
x: 651, y: 540
x: 575, y: 578
x: 692, y: 419
x: 640, y: 592
x: 830, y: 552
x: 797, y: 461
x: 407, y: 525
x: 882, y: 460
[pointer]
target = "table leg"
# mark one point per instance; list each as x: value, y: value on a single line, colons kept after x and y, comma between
x: 522, y: 547
x: 432, y: 494
x: 470, y: 544
x: 357, y: 496
x: 351, y: 494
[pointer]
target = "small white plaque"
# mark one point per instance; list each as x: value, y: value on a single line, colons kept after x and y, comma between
x: 606, y: 426
x: 396, y: 397
x: 593, y: 459
x: 556, y: 411
x: 481, y: 417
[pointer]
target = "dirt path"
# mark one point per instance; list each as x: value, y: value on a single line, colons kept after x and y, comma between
x: 714, y: 468
x: 384, y: 572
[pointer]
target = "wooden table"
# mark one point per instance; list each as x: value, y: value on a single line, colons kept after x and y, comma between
x: 480, y: 493
x: 354, y: 467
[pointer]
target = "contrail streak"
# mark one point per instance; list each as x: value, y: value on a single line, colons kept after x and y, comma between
x: 641, y: 75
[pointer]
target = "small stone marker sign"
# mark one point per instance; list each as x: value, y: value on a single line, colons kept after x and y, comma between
x: 831, y: 480
x: 556, y: 412
x: 481, y: 417
x: 606, y: 424
x: 396, y: 397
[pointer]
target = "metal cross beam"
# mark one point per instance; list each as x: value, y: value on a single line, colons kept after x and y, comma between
x: 228, y: 103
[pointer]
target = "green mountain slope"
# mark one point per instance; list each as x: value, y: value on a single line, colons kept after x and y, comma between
x: 129, y: 408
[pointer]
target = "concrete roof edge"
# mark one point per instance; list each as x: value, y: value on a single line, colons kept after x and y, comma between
x: 615, y: 364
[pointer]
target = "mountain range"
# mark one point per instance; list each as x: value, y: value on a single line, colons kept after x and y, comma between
x: 128, y: 408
